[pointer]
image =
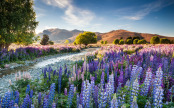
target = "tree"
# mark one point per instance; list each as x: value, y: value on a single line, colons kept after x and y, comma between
x: 106, y: 42
x: 102, y: 42
x: 135, y: 41
x: 164, y: 41
x: 129, y: 41
x: 86, y: 38
x: 121, y: 42
x: 50, y: 42
x: 136, y: 37
x: 17, y: 22
x: 66, y: 42
x: 142, y: 41
x: 129, y: 37
x: 44, y: 40
x: 116, y: 41
x: 121, y: 38
x: 155, y: 40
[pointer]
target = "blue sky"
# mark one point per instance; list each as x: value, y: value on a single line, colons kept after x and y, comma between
x: 146, y: 16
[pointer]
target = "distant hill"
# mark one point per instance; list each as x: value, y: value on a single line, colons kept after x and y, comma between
x: 60, y: 35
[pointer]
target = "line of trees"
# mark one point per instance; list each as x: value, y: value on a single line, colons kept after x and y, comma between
x: 137, y: 40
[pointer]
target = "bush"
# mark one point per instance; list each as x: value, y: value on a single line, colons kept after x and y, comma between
x: 105, y: 42
x: 136, y: 37
x: 155, y: 40
x: 129, y: 41
x: 51, y: 42
x: 135, y: 41
x: 116, y: 41
x: 121, y: 42
x: 142, y: 41
x: 102, y: 42
x: 164, y: 41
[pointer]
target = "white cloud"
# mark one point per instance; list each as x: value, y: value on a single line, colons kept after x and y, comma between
x: 146, y: 9
x: 73, y: 15
x: 39, y: 12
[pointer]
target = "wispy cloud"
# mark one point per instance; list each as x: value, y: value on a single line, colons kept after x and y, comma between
x: 145, y: 10
x: 72, y: 14
x: 39, y: 12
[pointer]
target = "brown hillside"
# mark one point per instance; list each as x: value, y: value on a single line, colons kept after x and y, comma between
x: 117, y: 34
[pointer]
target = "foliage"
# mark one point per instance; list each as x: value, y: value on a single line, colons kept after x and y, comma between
x: 129, y: 41
x: 135, y: 41
x: 116, y: 41
x: 17, y: 22
x: 86, y: 38
x: 155, y: 40
x: 121, y: 42
x: 164, y: 41
x: 102, y: 42
x: 66, y: 41
x: 105, y: 42
x: 129, y: 38
x: 50, y: 42
x: 45, y: 40
x: 142, y: 41
x: 136, y: 37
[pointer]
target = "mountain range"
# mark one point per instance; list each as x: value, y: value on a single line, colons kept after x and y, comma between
x: 60, y: 35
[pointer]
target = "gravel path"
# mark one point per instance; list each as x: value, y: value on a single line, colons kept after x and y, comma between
x: 36, y: 69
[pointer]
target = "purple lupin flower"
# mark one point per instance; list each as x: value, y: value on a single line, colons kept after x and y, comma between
x: 28, y: 89
x: 114, y: 102
x: 26, y: 102
x: 60, y: 80
x: 45, y: 103
x: 65, y: 91
x: 31, y: 93
x: 134, y: 103
x: 16, y: 97
x: 135, y: 88
x: 102, y: 98
x: 51, y: 94
x: 70, y: 95
x: 39, y: 98
x: 54, y: 105
x: 158, y: 97
x: 147, y: 82
x: 86, y: 93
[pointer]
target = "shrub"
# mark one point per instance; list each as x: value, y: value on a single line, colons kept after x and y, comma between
x: 142, y: 41
x: 51, y: 42
x: 164, y: 41
x: 129, y: 41
x: 121, y: 42
x: 116, y: 41
x: 102, y: 42
x: 135, y: 41
x: 155, y: 40
x: 105, y: 42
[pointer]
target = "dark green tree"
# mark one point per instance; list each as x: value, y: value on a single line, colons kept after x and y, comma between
x: 129, y: 41
x: 86, y: 38
x: 105, y: 42
x: 50, y: 42
x: 129, y: 37
x: 121, y: 42
x: 116, y: 41
x: 164, y: 41
x: 135, y: 41
x: 17, y: 22
x: 102, y: 42
x: 142, y: 41
x: 136, y: 37
x: 155, y: 40
x: 45, y: 40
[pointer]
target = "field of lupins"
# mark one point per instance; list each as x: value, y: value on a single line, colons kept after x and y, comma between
x: 32, y: 52
x: 126, y: 76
